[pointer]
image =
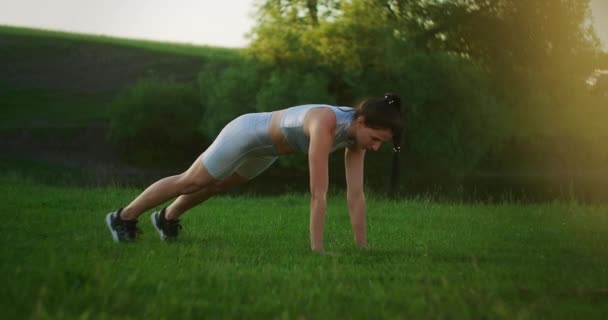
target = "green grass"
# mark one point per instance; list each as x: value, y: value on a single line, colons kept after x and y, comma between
x: 245, y: 257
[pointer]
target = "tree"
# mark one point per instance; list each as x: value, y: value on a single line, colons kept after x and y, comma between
x: 531, y: 56
x: 281, y: 24
x: 549, y: 40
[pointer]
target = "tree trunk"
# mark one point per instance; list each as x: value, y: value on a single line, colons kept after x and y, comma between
x: 313, y: 12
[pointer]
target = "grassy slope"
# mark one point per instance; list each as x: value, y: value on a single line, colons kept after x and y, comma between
x: 177, y: 48
x: 63, y: 79
x: 248, y: 257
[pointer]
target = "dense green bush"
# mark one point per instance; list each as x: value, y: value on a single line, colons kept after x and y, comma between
x: 290, y: 87
x: 452, y: 117
x: 455, y: 119
x: 155, y: 123
x: 227, y: 92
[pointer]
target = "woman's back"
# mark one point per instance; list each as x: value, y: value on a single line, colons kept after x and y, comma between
x: 293, y: 120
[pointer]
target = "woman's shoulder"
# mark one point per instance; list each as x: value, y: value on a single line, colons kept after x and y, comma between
x: 309, y: 106
x: 325, y: 117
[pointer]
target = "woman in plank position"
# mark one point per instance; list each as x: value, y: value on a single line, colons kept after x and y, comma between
x: 249, y: 144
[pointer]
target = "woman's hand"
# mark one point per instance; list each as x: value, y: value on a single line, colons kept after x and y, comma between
x: 353, y: 164
x: 327, y: 253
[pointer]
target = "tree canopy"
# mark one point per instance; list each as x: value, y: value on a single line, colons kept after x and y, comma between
x: 551, y: 38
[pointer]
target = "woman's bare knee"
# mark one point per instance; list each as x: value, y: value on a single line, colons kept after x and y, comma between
x: 195, y: 179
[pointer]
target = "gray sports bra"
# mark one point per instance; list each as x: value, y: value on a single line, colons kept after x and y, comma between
x: 292, y: 126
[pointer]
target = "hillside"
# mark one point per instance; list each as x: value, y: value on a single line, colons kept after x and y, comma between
x: 59, y: 61
x: 62, y: 69
x: 56, y: 88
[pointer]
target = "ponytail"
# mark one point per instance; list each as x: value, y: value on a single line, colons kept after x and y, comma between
x: 395, y: 172
x: 394, y: 101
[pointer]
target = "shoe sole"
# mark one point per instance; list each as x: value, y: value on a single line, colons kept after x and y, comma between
x: 153, y: 219
x: 109, y: 224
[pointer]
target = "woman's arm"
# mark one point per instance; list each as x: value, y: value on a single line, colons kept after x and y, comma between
x: 320, y: 126
x: 353, y: 164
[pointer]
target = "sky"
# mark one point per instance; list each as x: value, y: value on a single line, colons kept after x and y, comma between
x: 221, y: 23
x: 208, y: 22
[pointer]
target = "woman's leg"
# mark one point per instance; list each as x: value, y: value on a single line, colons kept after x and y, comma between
x: 247, y: 170
x: 185, y: 202
x: 192, y: 180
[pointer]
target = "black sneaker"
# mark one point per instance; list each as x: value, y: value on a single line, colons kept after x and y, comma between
x: 122, y: 230
x: 167, y: 229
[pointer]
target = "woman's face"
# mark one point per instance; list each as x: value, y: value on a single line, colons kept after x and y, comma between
x: 368, y: 138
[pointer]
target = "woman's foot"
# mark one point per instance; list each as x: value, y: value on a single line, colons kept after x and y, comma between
x: 167, y: 229
x: 122, y: 230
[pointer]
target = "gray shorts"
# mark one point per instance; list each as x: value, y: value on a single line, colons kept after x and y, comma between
x: 243, y: 146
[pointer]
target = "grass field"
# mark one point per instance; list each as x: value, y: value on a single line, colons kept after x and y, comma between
x: 246, y: 257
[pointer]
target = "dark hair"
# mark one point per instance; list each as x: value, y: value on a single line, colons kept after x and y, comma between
x: 385, y: 113
x: 381, y: 112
